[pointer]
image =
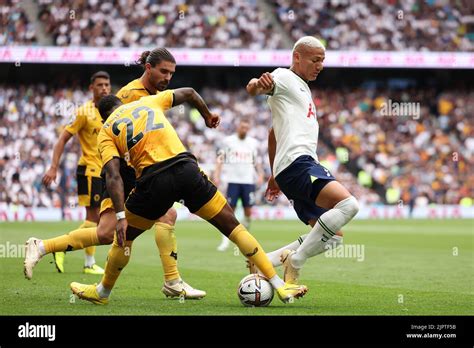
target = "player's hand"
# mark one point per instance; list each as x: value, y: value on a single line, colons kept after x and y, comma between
x: 216, y: 181
x: 266, y: 83
x: 273, y: 190
x: 121, y: 230
x: 213, y: 120
x: 49, y: 177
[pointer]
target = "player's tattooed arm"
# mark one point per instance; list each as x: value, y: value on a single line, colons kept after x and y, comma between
x: 114, y: 185
x: 263, y: 85
x: 189, y: 95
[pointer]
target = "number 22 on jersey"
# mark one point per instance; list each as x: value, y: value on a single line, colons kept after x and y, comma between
x: 132, y: 140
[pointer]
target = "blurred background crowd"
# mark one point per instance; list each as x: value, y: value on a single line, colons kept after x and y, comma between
x: 431, y: 25
x: 420, y: 158
x: 379, y: 158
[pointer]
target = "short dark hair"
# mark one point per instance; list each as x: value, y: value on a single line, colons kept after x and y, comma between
x: 100, y: 74
x: 107, y: 105
x: 155, y: 56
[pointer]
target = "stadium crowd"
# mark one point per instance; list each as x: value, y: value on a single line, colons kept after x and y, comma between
x: 15, y: 28
x: 171, y: 23
x: 425, y: 157
x: 433, y: 25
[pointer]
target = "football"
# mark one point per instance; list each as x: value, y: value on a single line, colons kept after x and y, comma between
x: 255, y: 291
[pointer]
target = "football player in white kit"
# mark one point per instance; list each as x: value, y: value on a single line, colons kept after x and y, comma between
x: 318, y: 199
x: 239, y: 157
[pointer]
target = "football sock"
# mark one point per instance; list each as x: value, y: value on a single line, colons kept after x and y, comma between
x: 274, y: 256
x: 117, y: 259
x: 225, y: 242
x: 325, y: 228
x: 103, y: 292
x: 276, y: 281
x: 89, y: 250
x: 173, y: 281
x: 252, y: 249
x: 74, y: 240
x: 166, y: 242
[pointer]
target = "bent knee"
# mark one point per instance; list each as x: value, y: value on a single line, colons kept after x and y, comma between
x: 349, y: 206
x: 170, y: 217
x: 106, y: 238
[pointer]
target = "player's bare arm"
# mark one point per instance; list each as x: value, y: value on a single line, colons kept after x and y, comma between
x: 273, y: 190
x: 58, y: 150
x: 189, y: 95
x: 263, y: 85
x: 114, y: 185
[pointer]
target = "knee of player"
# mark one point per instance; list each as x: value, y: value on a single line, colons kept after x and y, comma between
x: 106, y: 235
x: 170, y: 217
x: 349, y: 206
x: 353, y: 206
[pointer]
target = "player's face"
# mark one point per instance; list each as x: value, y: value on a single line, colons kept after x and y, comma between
x: 243, y: 129
x: 311, y: 62
x: 160, y: 75
x: 100, y: 87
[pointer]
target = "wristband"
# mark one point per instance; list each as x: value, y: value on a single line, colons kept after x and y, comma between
x: 120, y: 215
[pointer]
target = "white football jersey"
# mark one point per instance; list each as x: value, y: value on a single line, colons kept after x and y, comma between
x: 294, y: 119
x: 240, y: 157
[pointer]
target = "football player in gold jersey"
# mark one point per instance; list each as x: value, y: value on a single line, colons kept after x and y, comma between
x: 156, y: 70
x: 159, y: 66
x: 166, y: 173
x: 86, y: 125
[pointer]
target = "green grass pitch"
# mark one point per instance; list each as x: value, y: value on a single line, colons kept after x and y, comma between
x: 410, y: 267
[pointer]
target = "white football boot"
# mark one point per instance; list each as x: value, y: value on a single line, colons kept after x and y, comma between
x: 182, y: 289
x: 32, y: 257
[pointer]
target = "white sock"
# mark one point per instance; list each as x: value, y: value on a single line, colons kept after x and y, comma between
x: 246, y: 222
x: 173, y: 281
x: 276, y: 281
x: 103, y: 292
x: 225, y: 242
x: 89, y: 260
x: 324, y: 229
x: 42, y: 250
x: 274, y: 256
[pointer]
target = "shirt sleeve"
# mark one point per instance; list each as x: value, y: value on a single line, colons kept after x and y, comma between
x: 281, y: 84
x: 164, y: 100
x: 76, y: 125
x: 107, y: 148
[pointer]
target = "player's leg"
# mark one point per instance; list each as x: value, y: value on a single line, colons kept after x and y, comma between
x: 341, y: 208
x: 74, y: 240
x: 92, y: 218
x: 89, y: 193
x: 232, y: 198
x: 117, y: 259
x: 275, y: 256
x: 166, y: 242
x: 204, y: 199
x: 248, y: 200
x: 165, y: 239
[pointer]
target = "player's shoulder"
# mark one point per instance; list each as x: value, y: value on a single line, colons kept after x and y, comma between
x: 131, y: 89
x: 281, y: 72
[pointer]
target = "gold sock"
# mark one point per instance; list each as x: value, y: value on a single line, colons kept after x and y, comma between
x: 74, y: 240
x: 117, y: 259
x: 252, y: 249
x: 91, y: 249
x: 166, y: 243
